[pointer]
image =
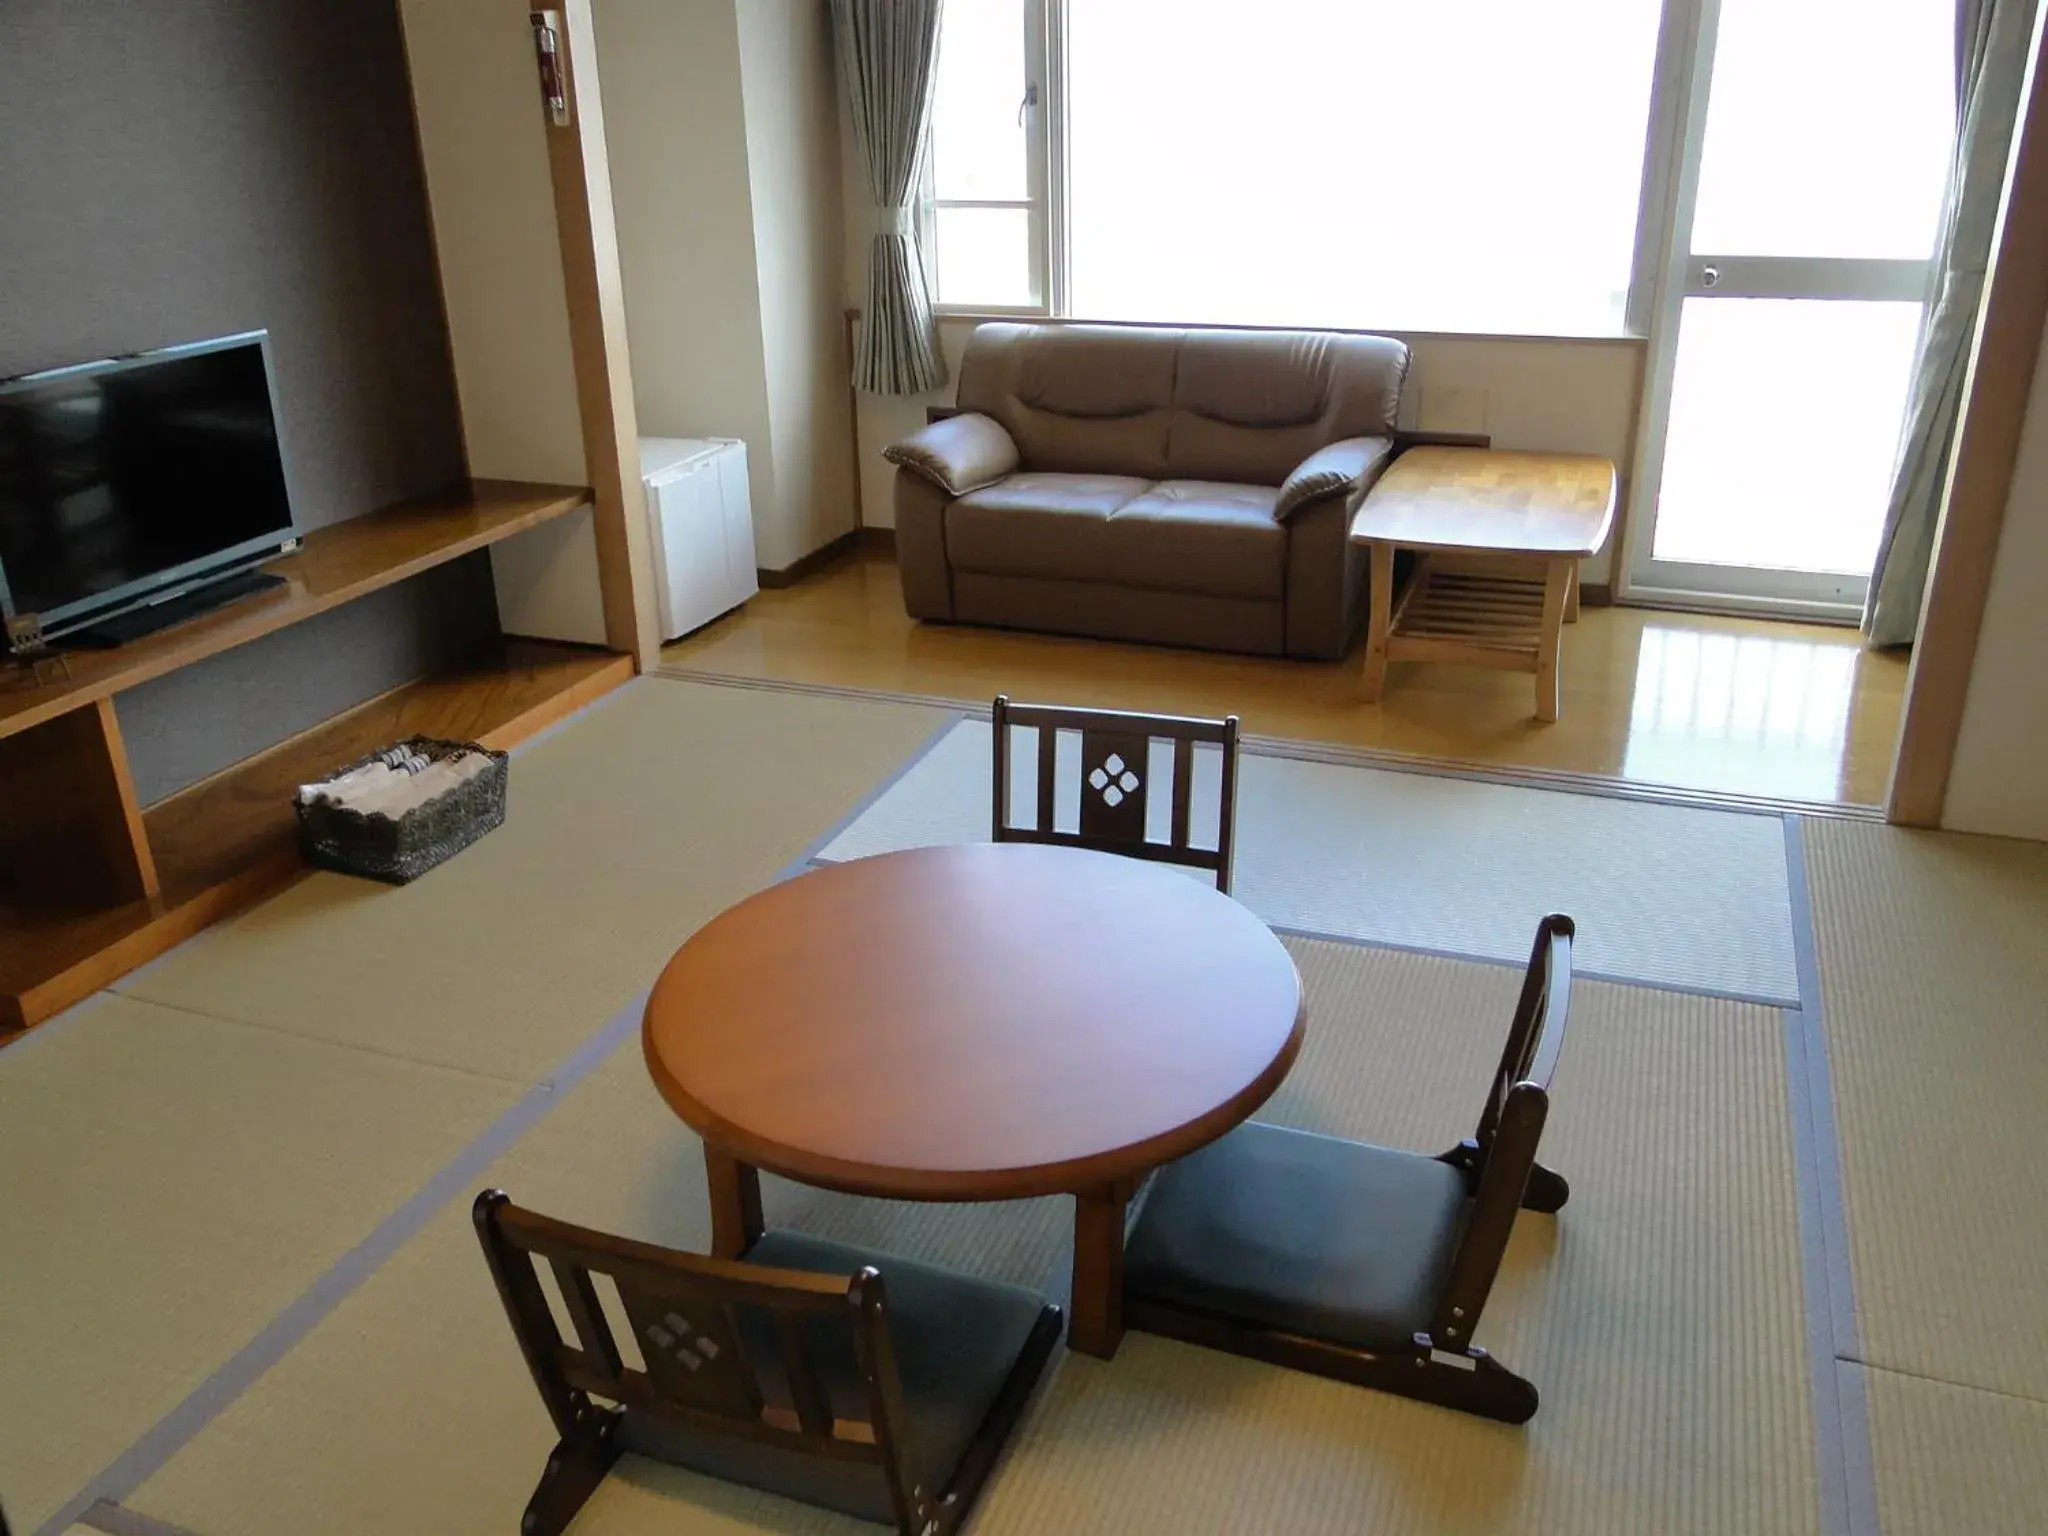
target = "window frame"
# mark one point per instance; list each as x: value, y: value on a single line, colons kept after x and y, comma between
x: 1045, y: 55
x: 1048, y: 279
x: 1681, y: 273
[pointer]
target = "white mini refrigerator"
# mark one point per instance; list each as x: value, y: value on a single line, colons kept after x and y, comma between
x: 700, y: 528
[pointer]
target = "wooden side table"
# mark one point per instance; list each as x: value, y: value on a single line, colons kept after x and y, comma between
x: 1501, y: 536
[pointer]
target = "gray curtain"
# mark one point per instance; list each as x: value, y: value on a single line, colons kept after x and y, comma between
x: 1991, y: 62
x: 888, y: 55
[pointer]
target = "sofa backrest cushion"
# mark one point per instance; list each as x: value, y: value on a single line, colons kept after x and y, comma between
x: 1250, y: 405
x: 1076, y: 398
x: 1245, y: 406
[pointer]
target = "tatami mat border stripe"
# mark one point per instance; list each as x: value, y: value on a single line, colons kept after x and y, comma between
x: 812, y: 861
x: 1564, y: 781
x: 1852, y: 1397
x: 1848, y: 1482
x: 1819, y: 1084
x: 455, y: 1180
x: 119, y: 1520
x: 808, y: 859
x: 1580, y: 971
x: 1830, y: 1427
x: 1561, y: 780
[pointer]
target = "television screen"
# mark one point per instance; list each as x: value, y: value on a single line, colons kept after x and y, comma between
x: 121, y: 478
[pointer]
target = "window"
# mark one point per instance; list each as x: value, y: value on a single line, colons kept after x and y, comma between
x: 984, y: 219
x: 1464, y: 165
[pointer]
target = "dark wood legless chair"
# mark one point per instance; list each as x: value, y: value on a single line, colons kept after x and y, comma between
x: 798, y: 1369
x: 1116, y: 782
x: 1360, y: 1262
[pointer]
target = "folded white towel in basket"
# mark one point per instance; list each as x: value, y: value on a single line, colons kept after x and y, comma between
x: 380, y: 790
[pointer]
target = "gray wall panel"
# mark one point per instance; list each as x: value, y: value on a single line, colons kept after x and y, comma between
x: 170, y: 171
x: 187, y: 724
x: 174, y: 171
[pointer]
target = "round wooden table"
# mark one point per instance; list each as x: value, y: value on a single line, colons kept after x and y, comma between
x: 986, y: 1022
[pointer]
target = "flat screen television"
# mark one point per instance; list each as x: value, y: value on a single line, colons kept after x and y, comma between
x: 137, y: 480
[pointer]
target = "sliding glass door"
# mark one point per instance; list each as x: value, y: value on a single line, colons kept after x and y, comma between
x: 1805, y: 212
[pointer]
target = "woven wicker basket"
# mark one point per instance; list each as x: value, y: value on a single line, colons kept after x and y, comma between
x: 396, y: 849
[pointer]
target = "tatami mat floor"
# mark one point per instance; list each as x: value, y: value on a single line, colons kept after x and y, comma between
x: 1419, y: 861
x: 1934, y: 988
x: 185, y: 1155
x: 624, y: 834
x: 244, y: 1113
x: 173, y: 1181
x: 1661, y: 1313
x: 1933, y: 955
x: 1956, y: 1461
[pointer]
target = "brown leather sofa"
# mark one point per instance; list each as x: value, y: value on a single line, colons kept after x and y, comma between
x: 1188, y: 487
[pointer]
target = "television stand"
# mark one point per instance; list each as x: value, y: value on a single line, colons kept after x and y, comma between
x: 94, y: 883
x: 151, y: 617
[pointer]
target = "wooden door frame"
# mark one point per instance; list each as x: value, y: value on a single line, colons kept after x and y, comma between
x: 580, y: 168
x: 1995, y: 390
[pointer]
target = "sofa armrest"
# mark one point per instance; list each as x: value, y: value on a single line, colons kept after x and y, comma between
x: 921, y: 547
x: 1327, y: 589
x: 1341, y: 470
x: 960, y: 454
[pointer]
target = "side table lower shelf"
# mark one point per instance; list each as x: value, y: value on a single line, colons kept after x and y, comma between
x: 1502, y: 612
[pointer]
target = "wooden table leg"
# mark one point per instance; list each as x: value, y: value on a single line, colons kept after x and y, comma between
x: 1550, y: 639
x: 1571, y: 597
x: 1380, y: 622
x: 1096, y: 1323
x: 735, y: 1203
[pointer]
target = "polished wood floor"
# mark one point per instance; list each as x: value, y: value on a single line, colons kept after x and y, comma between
x: 1687, y: 701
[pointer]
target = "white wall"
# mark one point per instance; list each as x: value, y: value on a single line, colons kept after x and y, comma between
x: 1999, y: 779
x: 678, y: 145
x: 1563, y: 396
x: 724, y: 150
x: 793, y: 162
x: 492, y: 201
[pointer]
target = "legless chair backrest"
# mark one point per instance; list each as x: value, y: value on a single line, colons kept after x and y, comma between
x: 1117, y: 782
x: 1502, y: 1154
x: 699, y: 1374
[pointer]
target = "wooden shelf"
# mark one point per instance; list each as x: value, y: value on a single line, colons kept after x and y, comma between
x: 91, y: 885
x: 333, y: 566
x: 231, y: 840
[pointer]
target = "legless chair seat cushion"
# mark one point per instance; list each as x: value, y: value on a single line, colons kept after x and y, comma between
x: 956, y: 1340
x: 1356, y: 1262
x: 1333, y: 1239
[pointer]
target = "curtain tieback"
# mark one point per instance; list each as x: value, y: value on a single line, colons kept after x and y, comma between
x: 899, y: 219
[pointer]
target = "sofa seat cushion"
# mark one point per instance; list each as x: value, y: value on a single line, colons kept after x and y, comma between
x: 1039, y: 524
x: 1196, y: 536
x: 1204, y: 536
x: 1285, y: 1229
